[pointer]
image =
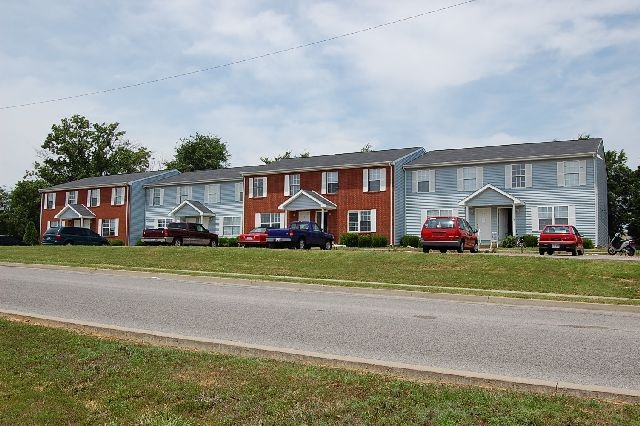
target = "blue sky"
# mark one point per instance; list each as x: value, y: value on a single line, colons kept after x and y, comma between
x: 485, y: 73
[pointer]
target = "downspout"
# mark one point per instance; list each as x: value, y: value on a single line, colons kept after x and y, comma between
x: 597, y: 201
x: 126, y: 213
x: 392, y: 210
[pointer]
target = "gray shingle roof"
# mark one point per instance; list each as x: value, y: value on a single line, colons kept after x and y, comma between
x: 232, y: 173
x: 500, y: 153
x: 351, y: 159
x: 111, y: 180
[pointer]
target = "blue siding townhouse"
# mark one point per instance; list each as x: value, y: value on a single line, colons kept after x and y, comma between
x: 512, y: 189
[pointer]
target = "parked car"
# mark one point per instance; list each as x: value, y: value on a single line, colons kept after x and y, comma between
x: 10, y: 240
x: 560, y: 238
x: 300, y: 234
x: 180, y: 233
x: 256, y: 237
x: 73, y: 235
x: 448, y: 233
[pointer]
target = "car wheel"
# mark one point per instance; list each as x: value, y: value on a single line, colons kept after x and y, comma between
x: 574, y: 252
x: 549, y: 252
x: 631, y: 251
x: 177, y: 242
x: 425, y: 249
x: 461, y: 246
x: 328, y: 245
x: 213, y: 243
x: 302, y: 244
x: 476, y: 247
x: 581, y: 252
x: 541, y: 252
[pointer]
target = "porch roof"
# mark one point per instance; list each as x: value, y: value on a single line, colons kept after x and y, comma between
x: 197, y: 206
x: 490, y: 188
x: 75, y: 211
x: 304, y: 199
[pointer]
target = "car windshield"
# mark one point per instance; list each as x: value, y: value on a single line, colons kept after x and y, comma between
x: 556, y: 230
x: 439, y: 222
x: 258, y: 230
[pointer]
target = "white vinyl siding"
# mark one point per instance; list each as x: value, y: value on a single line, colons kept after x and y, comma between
x: 361, y: 220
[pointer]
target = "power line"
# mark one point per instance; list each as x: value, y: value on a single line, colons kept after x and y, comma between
x: 241, y: 61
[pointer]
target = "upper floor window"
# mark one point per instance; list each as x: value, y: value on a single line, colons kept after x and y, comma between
x: 72, y: 197
x: 93, y: 197
x: 239, y: 191
x: 291, y: 184
x: 212, y: 193
x: 423, y: 181
x: 329, y: 183
x: 362, y: 220
x: 257, y: 187
x: 518, y: 175
x: 572, y: 173
x: 50, y: 200
x: 469, y: 178
x: 117, y: 196
x: 183, y: 194
x: 374, y: 180
x: 157, y: 195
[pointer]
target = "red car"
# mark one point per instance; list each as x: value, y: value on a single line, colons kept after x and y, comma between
x: 448, y: 232
x: 256, y: 237
x: 560, y: 238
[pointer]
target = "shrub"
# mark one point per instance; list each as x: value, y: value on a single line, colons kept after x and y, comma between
x: 509, y: 241
x: 31, y: 235
x: 365, y: 240
x: 139, y: 242
x: 588, y: 243
x: 227, y: 242
x: 530, y: 240
x: 410, y: 241
x: 116, y: 242
x: 379, y: 241
x: 349, y: 239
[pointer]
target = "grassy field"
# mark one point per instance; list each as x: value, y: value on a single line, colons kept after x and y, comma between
x: 402, y: 269
x: 55, y: 377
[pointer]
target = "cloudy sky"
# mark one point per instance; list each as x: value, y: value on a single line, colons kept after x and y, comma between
x: 483, y: 73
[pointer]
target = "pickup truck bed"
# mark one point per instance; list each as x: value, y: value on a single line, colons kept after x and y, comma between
x: 178, y: 234
x: 300, y: 234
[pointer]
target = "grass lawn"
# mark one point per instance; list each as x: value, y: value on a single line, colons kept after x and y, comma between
x: 403, y: 269
x: 55, y: 377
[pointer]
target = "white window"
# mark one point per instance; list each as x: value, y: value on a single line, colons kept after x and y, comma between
x: 157, y: 197
x: 423, y: 181
x: 72, y: 197
x: 53, y: 224
x: 257, y: 187
x: 329, y: 183
x: 50, y: 200
x: 269, y: 220
x: 212, y: 193
x: 183, y: 193
x: 239, y: 191
x: 375, y: 175
x: 162, y: 222
x: 469, y: 178
x: 374, y: 180
x: 93, y: 197
x: 291, y: 184
x: 109, y: 227
x: 230, y: 226
x: 552, y: 215
x: 362, y: 220
x: 517, y: 176
x: 425, y: 213
x: 117, y: 196
x: 572, y: 173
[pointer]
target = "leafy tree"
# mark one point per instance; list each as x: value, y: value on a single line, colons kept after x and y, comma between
x: 200, y: 152
x: 24, y: 206
x: 31, y: 235
x: 366, y: 148
x: 4, y: 210
x: 287, y: 154
x: 634, y: 222
x: 623, y: 193
x: 77, y: 149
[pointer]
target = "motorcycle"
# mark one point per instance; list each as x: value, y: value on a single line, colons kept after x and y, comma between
x: 620, y: 245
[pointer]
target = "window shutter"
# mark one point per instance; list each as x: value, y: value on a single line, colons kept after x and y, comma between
x: 250, y: 187
x: 178, y: 195
x: 423, y: 216
x: 432, y: 180
x: 117, y: 225
x: 583, y: 172
x: 48, y: 224
x: 479, y: 176
x: 373, y: 220
x: 460, y: 179
x: 264, y: 179
x: 283, y: 219
x: 190, y: 192
x: 238, y: 191
x: 258, y: 221
x: 150, y: 196
x: 414, y: 181
x: 323, y: 187
x: 98, y: 203
x: 286, y: 185
x: 88, y: 197
x: 560, y: 173
x: 100, y: 227
x: 113, y: 196
x: 161, y: 196
x: 528, y: 175
x: 535, y: 223
x: 216, y: 187
x: 507, y: 176
x: 365, y: 180
x: 54, y: 200
x: 383, y: 179
x: 572, y: 214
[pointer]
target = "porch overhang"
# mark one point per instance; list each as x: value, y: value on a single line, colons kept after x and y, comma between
x: 508, y: 198
x: 306, y: 200
x: 191, y: 208
x: 75, y: 211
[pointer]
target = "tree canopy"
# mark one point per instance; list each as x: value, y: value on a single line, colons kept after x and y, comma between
x: 285, y: 155
x: 23, y: 206
x: 199, y: 152
x: 623, y: 192
x: 76, y: 149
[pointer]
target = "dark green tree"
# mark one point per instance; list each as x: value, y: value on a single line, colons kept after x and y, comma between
x: 77, y: 149
x: 634, y: 221
x: 285, y: 155
x: 31, y: 235
x: 620, y: 189
x: 24, y: 206
x: 4, y: 210
x: 199, y: 152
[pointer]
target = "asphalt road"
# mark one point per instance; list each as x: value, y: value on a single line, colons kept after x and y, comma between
x: 555, y: 343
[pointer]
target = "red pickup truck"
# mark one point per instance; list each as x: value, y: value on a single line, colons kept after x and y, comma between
x: 179, y: 233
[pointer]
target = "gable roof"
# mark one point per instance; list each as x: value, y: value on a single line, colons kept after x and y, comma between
x: 347, y: 160
x: 489, y: 188
x: 514, y: 152
x: 202, y: 176
x: 313, y: 196
x: 110, y: 180
x: 72, y: 211
x: 196, y: 205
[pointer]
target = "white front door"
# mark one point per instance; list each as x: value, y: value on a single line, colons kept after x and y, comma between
x: 304, y: 215
x: 483, y: 223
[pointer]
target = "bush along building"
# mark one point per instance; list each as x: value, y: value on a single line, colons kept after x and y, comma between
x: 512, y: 189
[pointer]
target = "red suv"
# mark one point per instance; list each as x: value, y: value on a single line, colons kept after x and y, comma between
x: 560, y: 238
x: 448, y: 232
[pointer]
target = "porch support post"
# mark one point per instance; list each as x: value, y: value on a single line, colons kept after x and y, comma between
x: 513, y: 218
x: 322, y: 219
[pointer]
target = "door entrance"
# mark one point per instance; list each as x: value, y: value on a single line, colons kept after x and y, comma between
x: 304, y: 215
x: 322, y: 219
x: 483, y: 223
x: 505, y: 222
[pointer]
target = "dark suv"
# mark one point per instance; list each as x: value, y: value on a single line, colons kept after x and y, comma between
x: 448, y: 233
x: 73, y: 235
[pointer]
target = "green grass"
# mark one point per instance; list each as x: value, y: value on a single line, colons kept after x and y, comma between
x: 55, y: 377
x: 434, y: 272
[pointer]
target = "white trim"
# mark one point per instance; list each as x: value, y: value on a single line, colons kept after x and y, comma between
x: 560, y: 173
x: 432, y: 180
x: 373, y: 220
x: 513, y: 199
x: 323, y: 184
x: 528, y: 175
x: 251, y: 188
x: 582, y: 172
x: 365, y: 180
x: 287, y: 191
x: 383, y: 180
x: 507, y: 176
x: 414, y: 180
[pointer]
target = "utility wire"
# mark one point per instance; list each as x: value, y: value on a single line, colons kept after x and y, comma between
x: 241, y: 61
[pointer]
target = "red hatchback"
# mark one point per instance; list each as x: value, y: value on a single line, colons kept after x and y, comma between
x: 560, y: 238
x: 448, y: 232
x: 256, y: 237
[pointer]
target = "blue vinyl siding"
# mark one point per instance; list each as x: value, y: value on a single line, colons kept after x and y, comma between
x: 399, y: 212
